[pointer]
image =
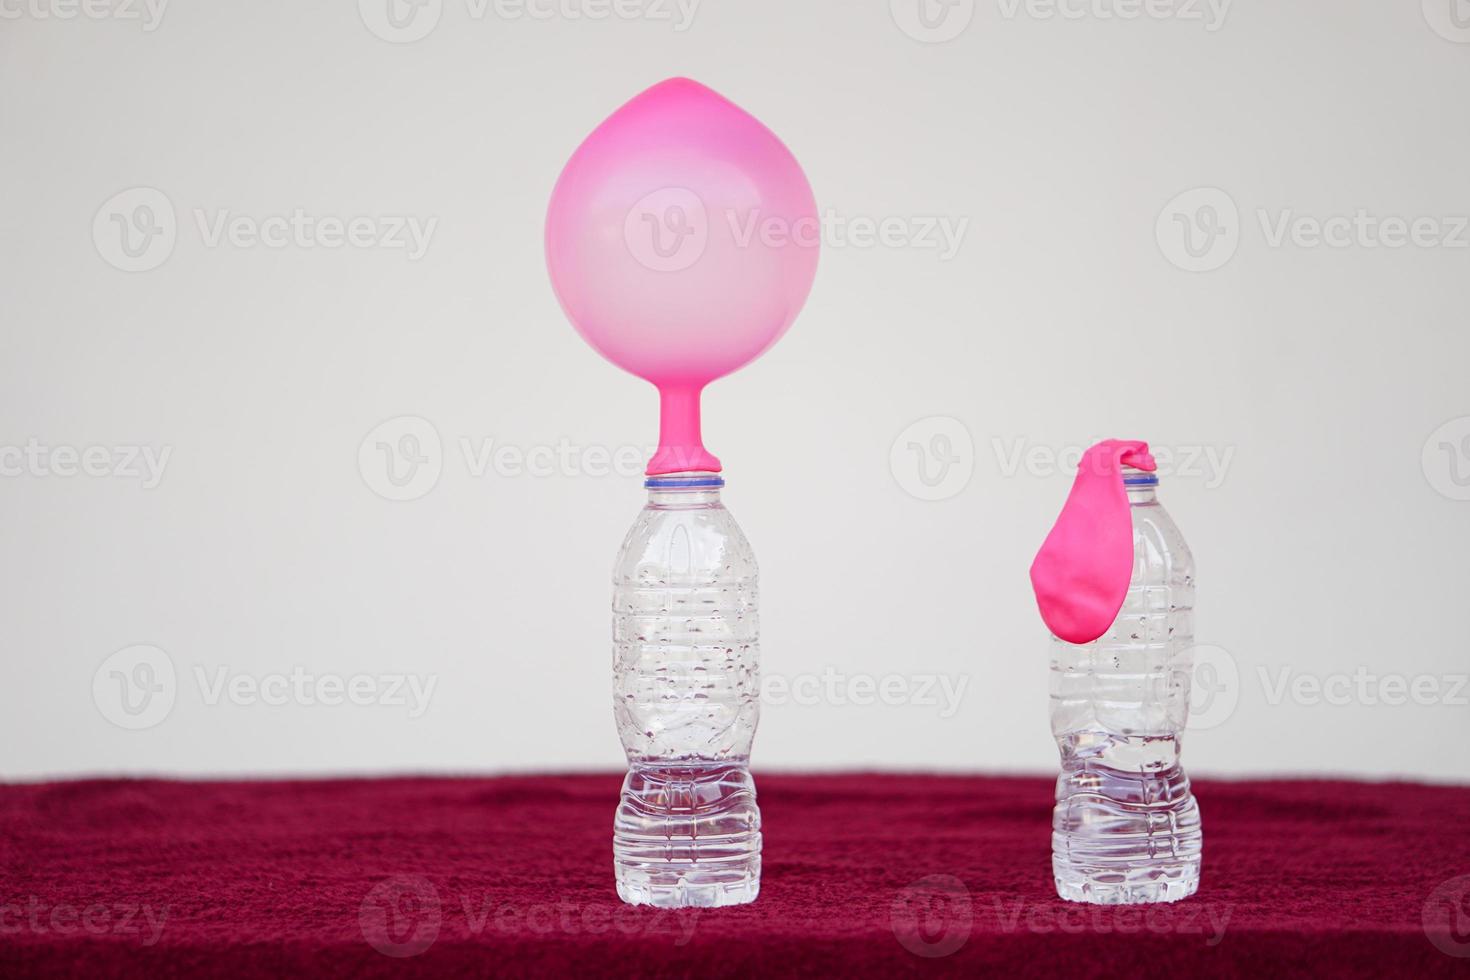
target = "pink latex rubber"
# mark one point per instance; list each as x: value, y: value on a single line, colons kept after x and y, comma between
x: 682, y: 241
x: 1082, y: 571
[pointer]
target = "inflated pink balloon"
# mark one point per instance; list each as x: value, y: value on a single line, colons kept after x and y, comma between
x: 682, y: 240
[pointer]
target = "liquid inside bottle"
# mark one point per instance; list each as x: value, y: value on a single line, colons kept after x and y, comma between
x: 686, y: 699
x: 1126, y: 828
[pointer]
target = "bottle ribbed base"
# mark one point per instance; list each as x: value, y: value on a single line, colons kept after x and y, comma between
x: 687, y: 837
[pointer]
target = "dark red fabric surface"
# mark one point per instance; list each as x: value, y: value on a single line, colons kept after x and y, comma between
x: 862, y: 875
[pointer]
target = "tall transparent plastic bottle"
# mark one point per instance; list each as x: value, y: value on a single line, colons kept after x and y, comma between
x: 1126, y: 828
x: 686, y: 698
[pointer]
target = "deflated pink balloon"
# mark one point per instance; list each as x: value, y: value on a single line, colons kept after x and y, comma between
x: 682, y: 240
x: 1082, y: 571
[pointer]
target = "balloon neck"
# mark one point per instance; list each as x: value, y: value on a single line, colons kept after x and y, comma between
x: 680, y: 448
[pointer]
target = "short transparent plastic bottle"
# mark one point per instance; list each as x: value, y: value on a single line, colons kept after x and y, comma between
x: 686, y: 699
x: 1126, y: 828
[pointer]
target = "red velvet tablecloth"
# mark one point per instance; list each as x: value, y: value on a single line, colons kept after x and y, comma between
x: 863, y: 875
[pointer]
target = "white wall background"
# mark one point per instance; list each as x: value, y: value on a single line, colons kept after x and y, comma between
x: 1330, y: 529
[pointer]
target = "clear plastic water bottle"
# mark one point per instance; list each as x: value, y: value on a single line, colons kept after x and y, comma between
x: 1126, y: 828
x: 686, y: 695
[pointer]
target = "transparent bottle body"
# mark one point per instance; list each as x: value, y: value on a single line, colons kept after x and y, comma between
x: 686, y: 700
x: 1126, y: 827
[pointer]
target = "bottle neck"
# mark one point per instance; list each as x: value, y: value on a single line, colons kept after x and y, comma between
x: 691, y: 488
x: 1142, y: 487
